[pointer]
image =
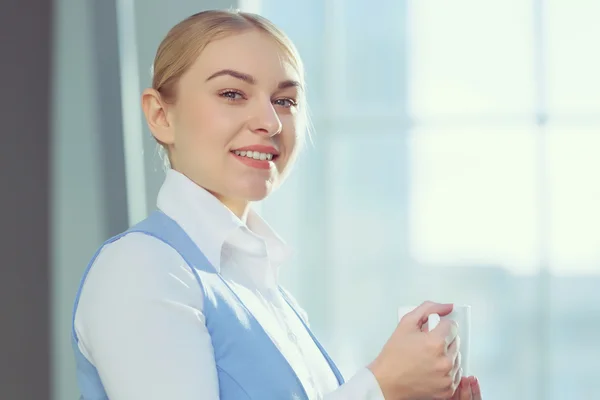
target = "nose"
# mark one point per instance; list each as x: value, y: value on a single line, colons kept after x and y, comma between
x: 264, y: 119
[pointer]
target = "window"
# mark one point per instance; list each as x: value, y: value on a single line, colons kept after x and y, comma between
x: 473, y: 196
x: 455, y: 159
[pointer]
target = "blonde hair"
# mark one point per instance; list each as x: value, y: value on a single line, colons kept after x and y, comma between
x: 185, y: 41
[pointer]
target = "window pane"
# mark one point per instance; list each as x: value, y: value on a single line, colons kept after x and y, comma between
x: 473, y: 197
x: 470, y: 56
x: 573, y: 56
x: 574, y: 196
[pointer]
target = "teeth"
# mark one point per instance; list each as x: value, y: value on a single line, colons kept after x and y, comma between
x: 254, y: 154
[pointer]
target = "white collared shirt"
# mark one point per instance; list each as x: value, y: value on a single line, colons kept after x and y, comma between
x: 140, y: 316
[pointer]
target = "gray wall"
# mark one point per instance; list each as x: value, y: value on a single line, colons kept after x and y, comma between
x: 24, y: 192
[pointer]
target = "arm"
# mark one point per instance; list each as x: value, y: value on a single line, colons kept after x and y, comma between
x: 140, y: 323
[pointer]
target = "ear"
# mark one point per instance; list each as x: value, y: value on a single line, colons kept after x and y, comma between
x: 155, y: 111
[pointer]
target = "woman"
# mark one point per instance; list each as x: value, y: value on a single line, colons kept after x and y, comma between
x: 186, y: 304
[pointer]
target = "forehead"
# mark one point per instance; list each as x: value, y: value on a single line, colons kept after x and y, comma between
x: 252, y: 52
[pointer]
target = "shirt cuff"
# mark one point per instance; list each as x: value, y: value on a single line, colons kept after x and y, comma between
x: 362, y: 386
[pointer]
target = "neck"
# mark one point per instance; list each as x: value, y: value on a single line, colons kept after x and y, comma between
x: 239, y: 207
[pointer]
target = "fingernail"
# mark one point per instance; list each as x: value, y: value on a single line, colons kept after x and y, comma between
x: 473, y: 381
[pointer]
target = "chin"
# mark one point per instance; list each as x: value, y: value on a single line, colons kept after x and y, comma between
x: 256, y: 191
x: 257, y: 194
x: 257, y: 197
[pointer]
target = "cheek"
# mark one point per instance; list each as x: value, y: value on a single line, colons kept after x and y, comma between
x: 294, y: 132
x: 206, y: 125
x: 292, y: 139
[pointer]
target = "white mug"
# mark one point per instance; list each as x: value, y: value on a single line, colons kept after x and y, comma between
x: 461, y: 314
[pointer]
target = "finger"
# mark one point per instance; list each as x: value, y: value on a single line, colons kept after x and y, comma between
x: 457, y: 377
x: 456, y: 374
x: 419, y: 315
x: 475, y: 389
x: 453, y: 350
x: 446, y: 329
x: 465, y: 389
x: 424, y: 325
x: 456, y: 395
x: 458, y: 391
x: 456, y: 365
x: 454, y: 356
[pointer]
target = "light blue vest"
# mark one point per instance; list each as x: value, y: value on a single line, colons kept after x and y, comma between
x: 249, y: 366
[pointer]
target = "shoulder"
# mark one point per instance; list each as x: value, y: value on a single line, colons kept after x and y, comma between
x: 138, y: 248
x: 133, y: 255
x: 295, y: 305
x: 136, y: 266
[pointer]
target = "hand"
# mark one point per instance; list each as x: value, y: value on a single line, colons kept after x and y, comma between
x: 468, y: 389
x: 420, y: 365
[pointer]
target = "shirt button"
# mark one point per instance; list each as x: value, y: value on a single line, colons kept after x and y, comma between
x: 292, y: 337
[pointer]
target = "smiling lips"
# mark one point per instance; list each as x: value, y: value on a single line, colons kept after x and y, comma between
x: 256, y: 156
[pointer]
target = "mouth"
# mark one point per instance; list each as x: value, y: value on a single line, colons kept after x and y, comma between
x: 255, y: 155
x: 256, y: 159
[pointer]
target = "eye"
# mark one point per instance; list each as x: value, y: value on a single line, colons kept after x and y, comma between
x: 286, y: 102
x: 232, y: 95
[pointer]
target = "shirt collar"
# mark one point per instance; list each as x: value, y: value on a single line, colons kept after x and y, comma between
x: 211, y: 225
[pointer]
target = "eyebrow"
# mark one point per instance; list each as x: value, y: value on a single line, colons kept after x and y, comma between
x: 251, y: 80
